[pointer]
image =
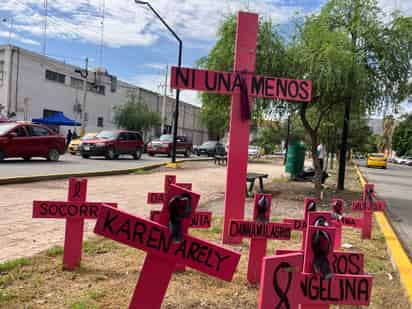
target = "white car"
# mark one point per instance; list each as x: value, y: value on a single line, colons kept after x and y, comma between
x: 253, y: 151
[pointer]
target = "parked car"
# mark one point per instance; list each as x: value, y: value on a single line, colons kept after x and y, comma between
x: 27, y: 140
x: 210, y: 148
x: 164, y: 145
x: 74, y: 144
x: 407, y: 161
x: 253, y: 151
x: 377, y: 160
x: 111, y: 144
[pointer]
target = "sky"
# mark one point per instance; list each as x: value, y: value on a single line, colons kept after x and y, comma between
x: 136, y: 46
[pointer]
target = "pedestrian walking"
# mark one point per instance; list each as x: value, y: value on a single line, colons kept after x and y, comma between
x: 321, y: 155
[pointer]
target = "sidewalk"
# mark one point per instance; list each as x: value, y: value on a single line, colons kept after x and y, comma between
x: 22, y: 236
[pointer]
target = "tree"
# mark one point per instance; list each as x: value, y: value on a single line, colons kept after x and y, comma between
x: 270, y: 60
x: 135, y: 115
x: 388, y: 127
x: 402, y: 137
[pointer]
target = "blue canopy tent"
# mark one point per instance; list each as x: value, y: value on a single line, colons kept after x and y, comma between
x: 57, y: 119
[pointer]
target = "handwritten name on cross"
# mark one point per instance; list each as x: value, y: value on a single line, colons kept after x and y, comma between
x: 242, y: 84
x: 164, y: 251
x: 259, y: 231
x: 75, y: 210
x: 368, y: 205
x: 299, y: 280
x: 199, y: 219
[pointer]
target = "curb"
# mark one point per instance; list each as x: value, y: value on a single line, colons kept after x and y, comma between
x: 36, y: 178
x: 399, y: 258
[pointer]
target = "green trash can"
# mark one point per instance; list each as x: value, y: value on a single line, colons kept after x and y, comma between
x: 295, y: 158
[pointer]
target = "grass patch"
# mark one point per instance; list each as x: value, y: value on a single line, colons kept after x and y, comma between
x: 55, y: 251
x: 82, y: 305
x: 13, y: 264
x: 140, y: 172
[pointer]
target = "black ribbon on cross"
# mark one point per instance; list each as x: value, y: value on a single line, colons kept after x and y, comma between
x: 321, y: 246
x: 244, y: 98
x: 282, y: 293
x: 262, y: 207
x: 311, y: 206
x: 180, y: 207
x: 337, y: 209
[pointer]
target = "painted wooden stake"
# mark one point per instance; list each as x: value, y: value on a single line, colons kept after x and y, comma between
x: 368, y: 205
x: 75, y: 211
x: 259, y: 231
x: 242, y: 84
x: 163, y: 250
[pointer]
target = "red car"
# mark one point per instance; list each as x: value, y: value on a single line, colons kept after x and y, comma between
x: 111, y: 144
x: 164, y: 145
x: 27, y: 140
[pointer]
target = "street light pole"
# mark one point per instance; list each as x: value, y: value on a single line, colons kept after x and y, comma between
x: 11, y: 21
x: 179, y: 65
x: 84, y: 74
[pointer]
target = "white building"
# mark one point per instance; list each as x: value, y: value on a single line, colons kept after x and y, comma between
x: 34, y: 86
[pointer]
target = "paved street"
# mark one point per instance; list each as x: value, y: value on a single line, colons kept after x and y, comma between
x: 394, y: 185
x: 69, y: 163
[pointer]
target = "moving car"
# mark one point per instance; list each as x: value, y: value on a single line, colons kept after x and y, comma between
x: 164, y: 145
x: 377, y: 160
x: 111, y: 144
x: 74, y: 144
x: 27, y: 140
x: 210, y: 148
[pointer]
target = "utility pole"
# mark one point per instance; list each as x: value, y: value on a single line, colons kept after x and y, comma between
x: 84, y: 73
x: 164, y: 100
x: 45, y: 4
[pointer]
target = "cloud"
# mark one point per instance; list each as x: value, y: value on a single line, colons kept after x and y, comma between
x: 129, y: 24
x: 154, y: 82
x: 15, y: 37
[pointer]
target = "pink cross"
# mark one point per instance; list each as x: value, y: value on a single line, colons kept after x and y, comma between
x: 259, y: 231
x: 315, y: 277
x: 75, y: 210
x: 242, y: 84
x: 163, y: 246
x: 199, y: 219
x: 368, y: 205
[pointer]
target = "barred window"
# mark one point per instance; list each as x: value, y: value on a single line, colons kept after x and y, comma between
x: 56, y: 77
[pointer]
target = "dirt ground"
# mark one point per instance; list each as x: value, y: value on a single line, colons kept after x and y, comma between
x: 109, y: 270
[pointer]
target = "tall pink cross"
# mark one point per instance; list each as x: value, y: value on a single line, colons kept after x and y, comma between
x: 75, y: 211
x: 243, y: 85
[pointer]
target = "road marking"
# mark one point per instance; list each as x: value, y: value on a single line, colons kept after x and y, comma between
x: 399, y: 257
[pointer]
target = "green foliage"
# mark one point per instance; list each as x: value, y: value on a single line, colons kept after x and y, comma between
x: 270, y: 60
x: 13, y: 264
x: 402, y: 137
x: 269, y: 138
x: 135, y: 115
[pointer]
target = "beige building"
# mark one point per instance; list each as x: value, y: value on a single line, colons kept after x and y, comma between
x: 35, y: 86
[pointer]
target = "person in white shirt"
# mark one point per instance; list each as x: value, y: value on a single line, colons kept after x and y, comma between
x: 321, y: 155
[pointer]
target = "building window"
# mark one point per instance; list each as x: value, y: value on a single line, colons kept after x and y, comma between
x: 100, y: 122
x: 99, y: 89
x: 56, y: 77
x: 76, y: 83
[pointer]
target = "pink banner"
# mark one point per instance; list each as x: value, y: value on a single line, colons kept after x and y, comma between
x: 230, y: 83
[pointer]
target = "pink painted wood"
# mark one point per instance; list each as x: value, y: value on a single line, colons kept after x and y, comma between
x: 200, y: 220
x: 244, y: 67
x: 162, y: 252
x: 229, y: 83
x: 259, y: 233
x: 75, y: 211
x: 368, y: 205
